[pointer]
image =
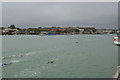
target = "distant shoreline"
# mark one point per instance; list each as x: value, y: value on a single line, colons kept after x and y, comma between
x: 59, y: 35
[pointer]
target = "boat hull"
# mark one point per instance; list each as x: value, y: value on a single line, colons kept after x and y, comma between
x: 117, y: 43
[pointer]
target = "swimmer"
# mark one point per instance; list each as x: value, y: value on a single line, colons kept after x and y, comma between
x: 76, y: 42
x: 5, y: 64
x: 51, y: 61
x: 1, y: 64
x: 21, y: 56
x: 4, y: 57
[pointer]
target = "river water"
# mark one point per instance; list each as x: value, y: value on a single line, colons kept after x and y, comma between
x: 73, y: 56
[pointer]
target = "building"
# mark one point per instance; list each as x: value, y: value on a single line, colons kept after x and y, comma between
x: 86, y: 30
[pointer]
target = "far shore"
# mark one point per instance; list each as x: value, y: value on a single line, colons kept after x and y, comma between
x: 56, y: 35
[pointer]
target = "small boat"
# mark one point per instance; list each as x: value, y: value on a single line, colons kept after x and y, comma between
x: 117, y: 40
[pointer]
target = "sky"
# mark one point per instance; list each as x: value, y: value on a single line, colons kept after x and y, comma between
x: 41, y: 14
x: 0, y: 14
x: 60, y: 0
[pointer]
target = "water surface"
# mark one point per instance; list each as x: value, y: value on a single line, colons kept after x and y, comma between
x: 75, y: 56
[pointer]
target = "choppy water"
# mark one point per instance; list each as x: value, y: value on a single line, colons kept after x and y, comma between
x: 74, y: 56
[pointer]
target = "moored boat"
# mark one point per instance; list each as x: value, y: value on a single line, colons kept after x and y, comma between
x: 117, y: 40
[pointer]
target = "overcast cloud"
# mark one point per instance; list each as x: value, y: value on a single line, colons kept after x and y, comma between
x: 0, y: 14
x: 36, y: 14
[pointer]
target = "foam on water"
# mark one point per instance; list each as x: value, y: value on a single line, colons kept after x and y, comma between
x: 19, y: 56
x: 15, y: 61
x: 29, y: 72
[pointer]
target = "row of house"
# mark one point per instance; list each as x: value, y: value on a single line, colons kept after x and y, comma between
x: 12, y: 30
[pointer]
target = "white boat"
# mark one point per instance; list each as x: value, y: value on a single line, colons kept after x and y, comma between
x: 117, y: 40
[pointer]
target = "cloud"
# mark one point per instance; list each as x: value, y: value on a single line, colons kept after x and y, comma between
x: 35, y: 14
x: 0, y: 14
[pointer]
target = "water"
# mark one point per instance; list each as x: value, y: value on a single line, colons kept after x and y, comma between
x: 74, y: 56
x: 0, y: 56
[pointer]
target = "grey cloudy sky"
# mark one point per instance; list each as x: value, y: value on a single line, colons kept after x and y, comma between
x: 35, y: 14
x: 0, y: 14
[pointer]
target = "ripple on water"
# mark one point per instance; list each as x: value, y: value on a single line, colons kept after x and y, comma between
x: 29, y: 72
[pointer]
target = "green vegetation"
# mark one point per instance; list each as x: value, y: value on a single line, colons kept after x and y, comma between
x: 12, y: 30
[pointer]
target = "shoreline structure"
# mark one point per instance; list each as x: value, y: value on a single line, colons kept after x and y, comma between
x: 12, y: 30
